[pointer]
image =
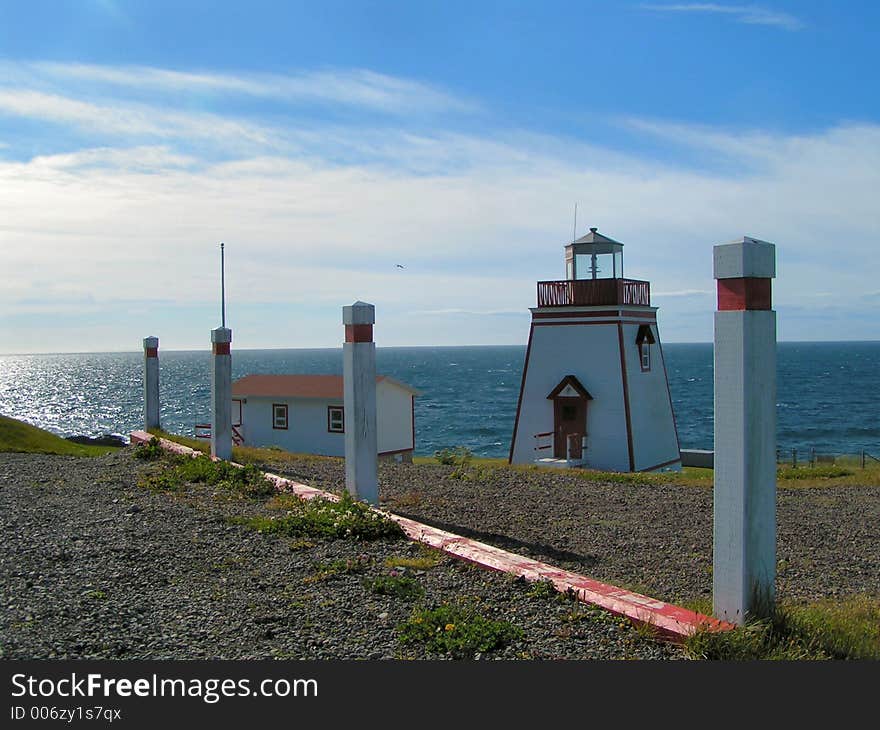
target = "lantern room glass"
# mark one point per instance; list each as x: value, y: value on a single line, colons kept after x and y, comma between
x: 598, y: 265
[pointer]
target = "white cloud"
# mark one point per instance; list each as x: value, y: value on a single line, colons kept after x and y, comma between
x: 475, y: 218
x: 748, y: 14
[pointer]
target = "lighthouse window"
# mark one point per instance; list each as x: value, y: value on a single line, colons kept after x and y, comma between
x: 569, y: 413
x: 644, y: 339
x: 279, y: 416
x: 335, y: 419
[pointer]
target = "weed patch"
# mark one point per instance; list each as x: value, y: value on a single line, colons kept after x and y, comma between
x: 543, y: 590
x: 457, y: 630
x: 397, y: 586
x: 182, y: 470
x: 427, y: 560
x: 323, y: 518
x: 346, y: 566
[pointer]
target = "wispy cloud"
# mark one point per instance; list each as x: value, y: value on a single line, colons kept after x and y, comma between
x: 472, y: 312
x: 356, y: 88
x: 126, y: 119
x: 682, y: 293
x: 748, y: 14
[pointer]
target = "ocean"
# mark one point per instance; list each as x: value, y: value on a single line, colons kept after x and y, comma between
x: 828, y: 393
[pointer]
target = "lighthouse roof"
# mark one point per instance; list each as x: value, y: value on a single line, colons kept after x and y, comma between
x: 595, y: 237
x: 594, y: 243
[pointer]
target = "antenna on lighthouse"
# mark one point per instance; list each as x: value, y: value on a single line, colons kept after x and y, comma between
x: 574, y: 227
x: 222, y: 288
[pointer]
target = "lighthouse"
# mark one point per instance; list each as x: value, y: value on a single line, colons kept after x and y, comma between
x: 594, y: 392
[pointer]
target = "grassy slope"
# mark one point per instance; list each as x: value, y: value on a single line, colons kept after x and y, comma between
x: 23, y: 438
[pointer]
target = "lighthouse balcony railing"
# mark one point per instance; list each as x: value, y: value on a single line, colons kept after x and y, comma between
x: 593, y: 292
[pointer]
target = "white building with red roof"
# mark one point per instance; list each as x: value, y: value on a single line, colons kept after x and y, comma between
x: 305, y: 414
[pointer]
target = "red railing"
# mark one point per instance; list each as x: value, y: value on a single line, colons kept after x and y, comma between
x: 593, y: 292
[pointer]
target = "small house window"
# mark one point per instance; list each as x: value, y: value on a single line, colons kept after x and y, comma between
x: 335, y: 419
x: 569, y: 413
x: 279, y: 416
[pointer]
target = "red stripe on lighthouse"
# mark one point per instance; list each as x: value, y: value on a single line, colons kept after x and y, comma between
x: 358, y: 333
x: 746, y: 293
x: 151, y: 352
x: 220, y: 348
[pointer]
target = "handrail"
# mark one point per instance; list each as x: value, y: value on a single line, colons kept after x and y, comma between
x: 203, y: 431
x: 593, y: 292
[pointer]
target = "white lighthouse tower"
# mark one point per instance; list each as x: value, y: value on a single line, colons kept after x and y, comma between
x: 594, y: 391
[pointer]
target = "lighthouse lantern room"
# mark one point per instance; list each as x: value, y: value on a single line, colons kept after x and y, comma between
x: 594, y: 390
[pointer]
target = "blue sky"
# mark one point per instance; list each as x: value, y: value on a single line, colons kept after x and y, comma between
x: 326, y: 143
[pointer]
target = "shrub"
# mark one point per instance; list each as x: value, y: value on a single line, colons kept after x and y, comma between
x: 149, y: 451
x: 459, y: 456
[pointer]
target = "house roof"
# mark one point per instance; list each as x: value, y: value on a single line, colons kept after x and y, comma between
x: 300, y: 386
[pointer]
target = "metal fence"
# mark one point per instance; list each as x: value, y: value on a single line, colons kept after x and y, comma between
x: 811, y: 458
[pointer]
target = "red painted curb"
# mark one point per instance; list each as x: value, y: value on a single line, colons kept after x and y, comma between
x: 673, y: 622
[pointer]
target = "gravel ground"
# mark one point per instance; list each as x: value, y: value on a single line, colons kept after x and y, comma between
x: 654, y: 539
x: 94, y: 566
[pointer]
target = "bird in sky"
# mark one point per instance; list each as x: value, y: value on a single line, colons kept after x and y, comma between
x: 400, y: 266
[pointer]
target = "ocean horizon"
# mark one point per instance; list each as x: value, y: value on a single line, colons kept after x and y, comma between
x: 828, y: 397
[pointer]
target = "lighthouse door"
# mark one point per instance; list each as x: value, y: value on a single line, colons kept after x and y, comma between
x: 570, y: 426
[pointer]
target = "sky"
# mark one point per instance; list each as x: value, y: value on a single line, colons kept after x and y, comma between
x: 427, y: 157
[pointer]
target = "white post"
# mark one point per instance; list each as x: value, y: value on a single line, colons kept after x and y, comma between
x: 221, y: 393
x: 744, y: 561
x: 151, y: 382
x: 359, y: 368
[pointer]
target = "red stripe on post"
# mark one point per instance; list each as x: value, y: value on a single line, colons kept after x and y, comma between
x: 746, y: 293
x: 220, y: 348
x: 151, y: 352
x: 358, y: 333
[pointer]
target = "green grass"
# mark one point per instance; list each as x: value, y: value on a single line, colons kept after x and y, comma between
x: 193, y: 443
x: 842, y: 629
x: 19, y: 437
x: 244, y: 454
x: 474, y: 468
